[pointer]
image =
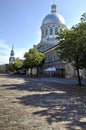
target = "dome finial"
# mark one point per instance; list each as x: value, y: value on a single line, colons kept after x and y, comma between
x: 53, y: 8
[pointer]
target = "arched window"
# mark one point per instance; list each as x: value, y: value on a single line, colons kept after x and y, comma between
x: 46, y: 31
x: 51, y: 31
x: 56, y: 31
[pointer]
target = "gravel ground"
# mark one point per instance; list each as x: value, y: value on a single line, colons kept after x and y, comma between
x: 34, y: 104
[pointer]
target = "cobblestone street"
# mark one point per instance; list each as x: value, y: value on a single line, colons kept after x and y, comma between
x: 35, y: 104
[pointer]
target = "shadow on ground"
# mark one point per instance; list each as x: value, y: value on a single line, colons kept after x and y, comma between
x: 65, y: 108
x: 60, y: 103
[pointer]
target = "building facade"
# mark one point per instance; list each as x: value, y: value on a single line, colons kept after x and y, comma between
x: 4, y: 68
x: 51, y: 25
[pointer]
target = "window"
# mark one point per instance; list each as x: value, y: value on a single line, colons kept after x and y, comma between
x: 51, y: 31
x: 56, y: 31
x: 46, y: 31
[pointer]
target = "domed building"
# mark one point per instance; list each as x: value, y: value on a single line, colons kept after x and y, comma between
x: 51, y: 25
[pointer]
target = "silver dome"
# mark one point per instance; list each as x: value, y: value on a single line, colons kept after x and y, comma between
x: 53, y: 18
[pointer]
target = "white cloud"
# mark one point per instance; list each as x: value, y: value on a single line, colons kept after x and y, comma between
x: 4, y: 59
x: 3, y: 45
x: 5, y: 52
x: 19, y: 52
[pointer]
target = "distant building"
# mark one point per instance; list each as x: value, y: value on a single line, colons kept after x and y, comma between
x: 4, y: 68
x: 12, y: 58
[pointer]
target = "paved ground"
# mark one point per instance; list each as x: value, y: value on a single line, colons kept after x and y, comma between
x: 63, y: 81
x: 36, y: 104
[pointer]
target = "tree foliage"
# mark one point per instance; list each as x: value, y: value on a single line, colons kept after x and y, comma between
x: 72, y: 45
x: 33, y: 58
x: 83, y: 17
x: 15, y: 66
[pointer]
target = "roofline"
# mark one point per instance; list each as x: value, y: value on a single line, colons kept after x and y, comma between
x: 50, y: 49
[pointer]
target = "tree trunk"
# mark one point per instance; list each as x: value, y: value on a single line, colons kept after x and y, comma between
x: 31, y: 72
x: 37, y: 71
x: 79, y: 79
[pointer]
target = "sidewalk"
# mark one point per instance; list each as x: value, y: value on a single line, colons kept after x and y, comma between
x: 63, y: 80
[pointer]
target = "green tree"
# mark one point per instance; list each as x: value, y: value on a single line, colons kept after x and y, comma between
x: 83, y: 17
x: 15, y: 66
x: 72, y: 46
x: 12, y: 67
x: 33, y: 58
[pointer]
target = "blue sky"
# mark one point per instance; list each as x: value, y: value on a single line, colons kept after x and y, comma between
x: 20, y: 22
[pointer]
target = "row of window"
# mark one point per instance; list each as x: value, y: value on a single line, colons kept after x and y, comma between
x: 51, y: 30
x: 50, y: 57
